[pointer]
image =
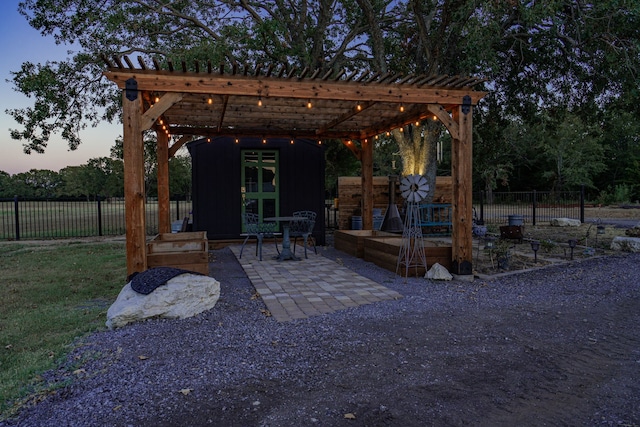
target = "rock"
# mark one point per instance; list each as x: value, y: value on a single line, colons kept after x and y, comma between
x: 634, y: 231
x: 183, y: 296
x: 438, y: 272
x: 565, y: 222
x: 626, y: 244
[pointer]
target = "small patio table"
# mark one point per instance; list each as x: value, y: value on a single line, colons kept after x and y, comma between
x: 285, y: 253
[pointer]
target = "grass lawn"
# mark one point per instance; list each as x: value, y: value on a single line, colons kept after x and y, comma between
x: 52, y: 293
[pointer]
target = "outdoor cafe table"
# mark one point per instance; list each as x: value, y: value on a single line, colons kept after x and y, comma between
x: 286, y: 253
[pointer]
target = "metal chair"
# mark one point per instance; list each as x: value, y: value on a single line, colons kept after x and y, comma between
x: 304, y: 229
x: 258, y: 230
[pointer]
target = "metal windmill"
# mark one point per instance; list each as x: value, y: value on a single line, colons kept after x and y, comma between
x: 414, y: 189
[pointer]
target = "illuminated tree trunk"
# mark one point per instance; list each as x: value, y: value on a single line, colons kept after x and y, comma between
x: 418, y: 150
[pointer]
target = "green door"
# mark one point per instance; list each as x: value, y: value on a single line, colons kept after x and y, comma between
x: 260, y: 184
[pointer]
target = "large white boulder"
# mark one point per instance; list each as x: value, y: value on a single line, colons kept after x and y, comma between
x: 438, y: 272
x: 626, y: 244
x: 182, y: 296
x: 565, y: 222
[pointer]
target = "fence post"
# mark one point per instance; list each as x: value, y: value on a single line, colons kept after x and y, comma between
x: 582, y: 203
x: 534, y: 205
x: 17, y: 216
x: 482, y: 206
x: 99, y: 216
x: 177, y: 208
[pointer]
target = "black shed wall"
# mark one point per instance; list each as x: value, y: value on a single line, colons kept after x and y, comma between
x: 216, y: 173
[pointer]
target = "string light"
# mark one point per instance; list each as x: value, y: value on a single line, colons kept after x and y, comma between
x: 208, y: 140
x: 157, y: 99
x: 291, y: 141
x: 359, y: 107
x: 319, y: 142
x: 264, y: 140
x: 401, y: 108
x: 209, y: 101
x: 259, y: 101
x: 237, y: 140
x: 309, y: 104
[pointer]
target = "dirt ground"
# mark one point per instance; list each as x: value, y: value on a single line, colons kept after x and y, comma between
x: 554, y: 241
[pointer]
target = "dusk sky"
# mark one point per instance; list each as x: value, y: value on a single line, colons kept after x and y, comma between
x: 19, y: 42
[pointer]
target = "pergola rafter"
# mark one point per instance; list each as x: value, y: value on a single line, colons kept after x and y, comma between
x: 264, y: 101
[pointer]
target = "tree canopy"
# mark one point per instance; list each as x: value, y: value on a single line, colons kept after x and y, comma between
x: 544, y: 61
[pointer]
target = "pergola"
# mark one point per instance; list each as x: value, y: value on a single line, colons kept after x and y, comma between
x: 187, y: 101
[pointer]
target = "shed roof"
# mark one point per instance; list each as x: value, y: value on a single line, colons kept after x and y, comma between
x: 269, y: 101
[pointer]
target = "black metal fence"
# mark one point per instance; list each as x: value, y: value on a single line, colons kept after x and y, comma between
x: 24, y: 219
x: 532, y: 206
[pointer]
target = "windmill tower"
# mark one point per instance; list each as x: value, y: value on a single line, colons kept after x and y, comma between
x: 414, y: 189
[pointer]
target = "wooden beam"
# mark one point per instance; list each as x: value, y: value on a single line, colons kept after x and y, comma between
x: 363, y: 106
x: 167, y: 101
x: 446, y: 119
x: 134, y: 185
x: 179, y: 143
x: 353, y: 148
x: 462, y: 203
x: 162, y: 152
x: 225, y: 102
x: 367, y: 183
x: 292, y: 88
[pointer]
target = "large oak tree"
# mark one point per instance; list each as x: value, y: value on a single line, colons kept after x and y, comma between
x: 564, y: 54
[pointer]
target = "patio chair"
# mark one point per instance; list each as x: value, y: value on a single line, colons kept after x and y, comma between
x: 303, y: 229
x: 258, y: 230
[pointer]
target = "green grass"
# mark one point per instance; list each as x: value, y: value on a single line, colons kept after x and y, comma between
x: 51, y: 294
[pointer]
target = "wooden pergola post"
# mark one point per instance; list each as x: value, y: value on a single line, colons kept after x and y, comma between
x: 367, y: 184
x: 162, y: 152
x: 462, y: 203
x: 134, y: 179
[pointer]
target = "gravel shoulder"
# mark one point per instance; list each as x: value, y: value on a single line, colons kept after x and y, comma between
x: 558, y: 346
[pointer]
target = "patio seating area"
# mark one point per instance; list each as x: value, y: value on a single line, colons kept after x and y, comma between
x: 309, y: 287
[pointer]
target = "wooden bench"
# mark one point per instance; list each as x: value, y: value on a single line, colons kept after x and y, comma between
x: 436, y: 218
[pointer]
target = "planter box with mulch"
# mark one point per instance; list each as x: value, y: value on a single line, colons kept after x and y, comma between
x: 352, y: 241
x: 384, y: 253
x: 188, y: 251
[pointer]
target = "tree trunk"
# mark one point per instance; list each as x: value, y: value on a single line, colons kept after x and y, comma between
x: 418, y: 150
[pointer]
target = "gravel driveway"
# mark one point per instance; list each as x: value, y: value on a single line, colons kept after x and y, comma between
x: 556, y: 346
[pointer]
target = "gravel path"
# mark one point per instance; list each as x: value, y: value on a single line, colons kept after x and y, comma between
x: 556, y: 346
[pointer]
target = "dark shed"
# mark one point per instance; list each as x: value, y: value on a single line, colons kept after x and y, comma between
x: 271, y: 177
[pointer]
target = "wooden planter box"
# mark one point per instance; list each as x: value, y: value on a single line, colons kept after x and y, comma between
x: 352, y: 241
x: 188, y: 251
x: 384, y: 253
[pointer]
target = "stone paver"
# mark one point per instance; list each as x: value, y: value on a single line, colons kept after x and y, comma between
x: 309, y: 287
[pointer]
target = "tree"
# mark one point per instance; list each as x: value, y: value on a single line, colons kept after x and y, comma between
x: 560, y: 54
x: 571, y: 150
x: 36, y: 183
x: 180, y: 175
x: 6, y: 185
